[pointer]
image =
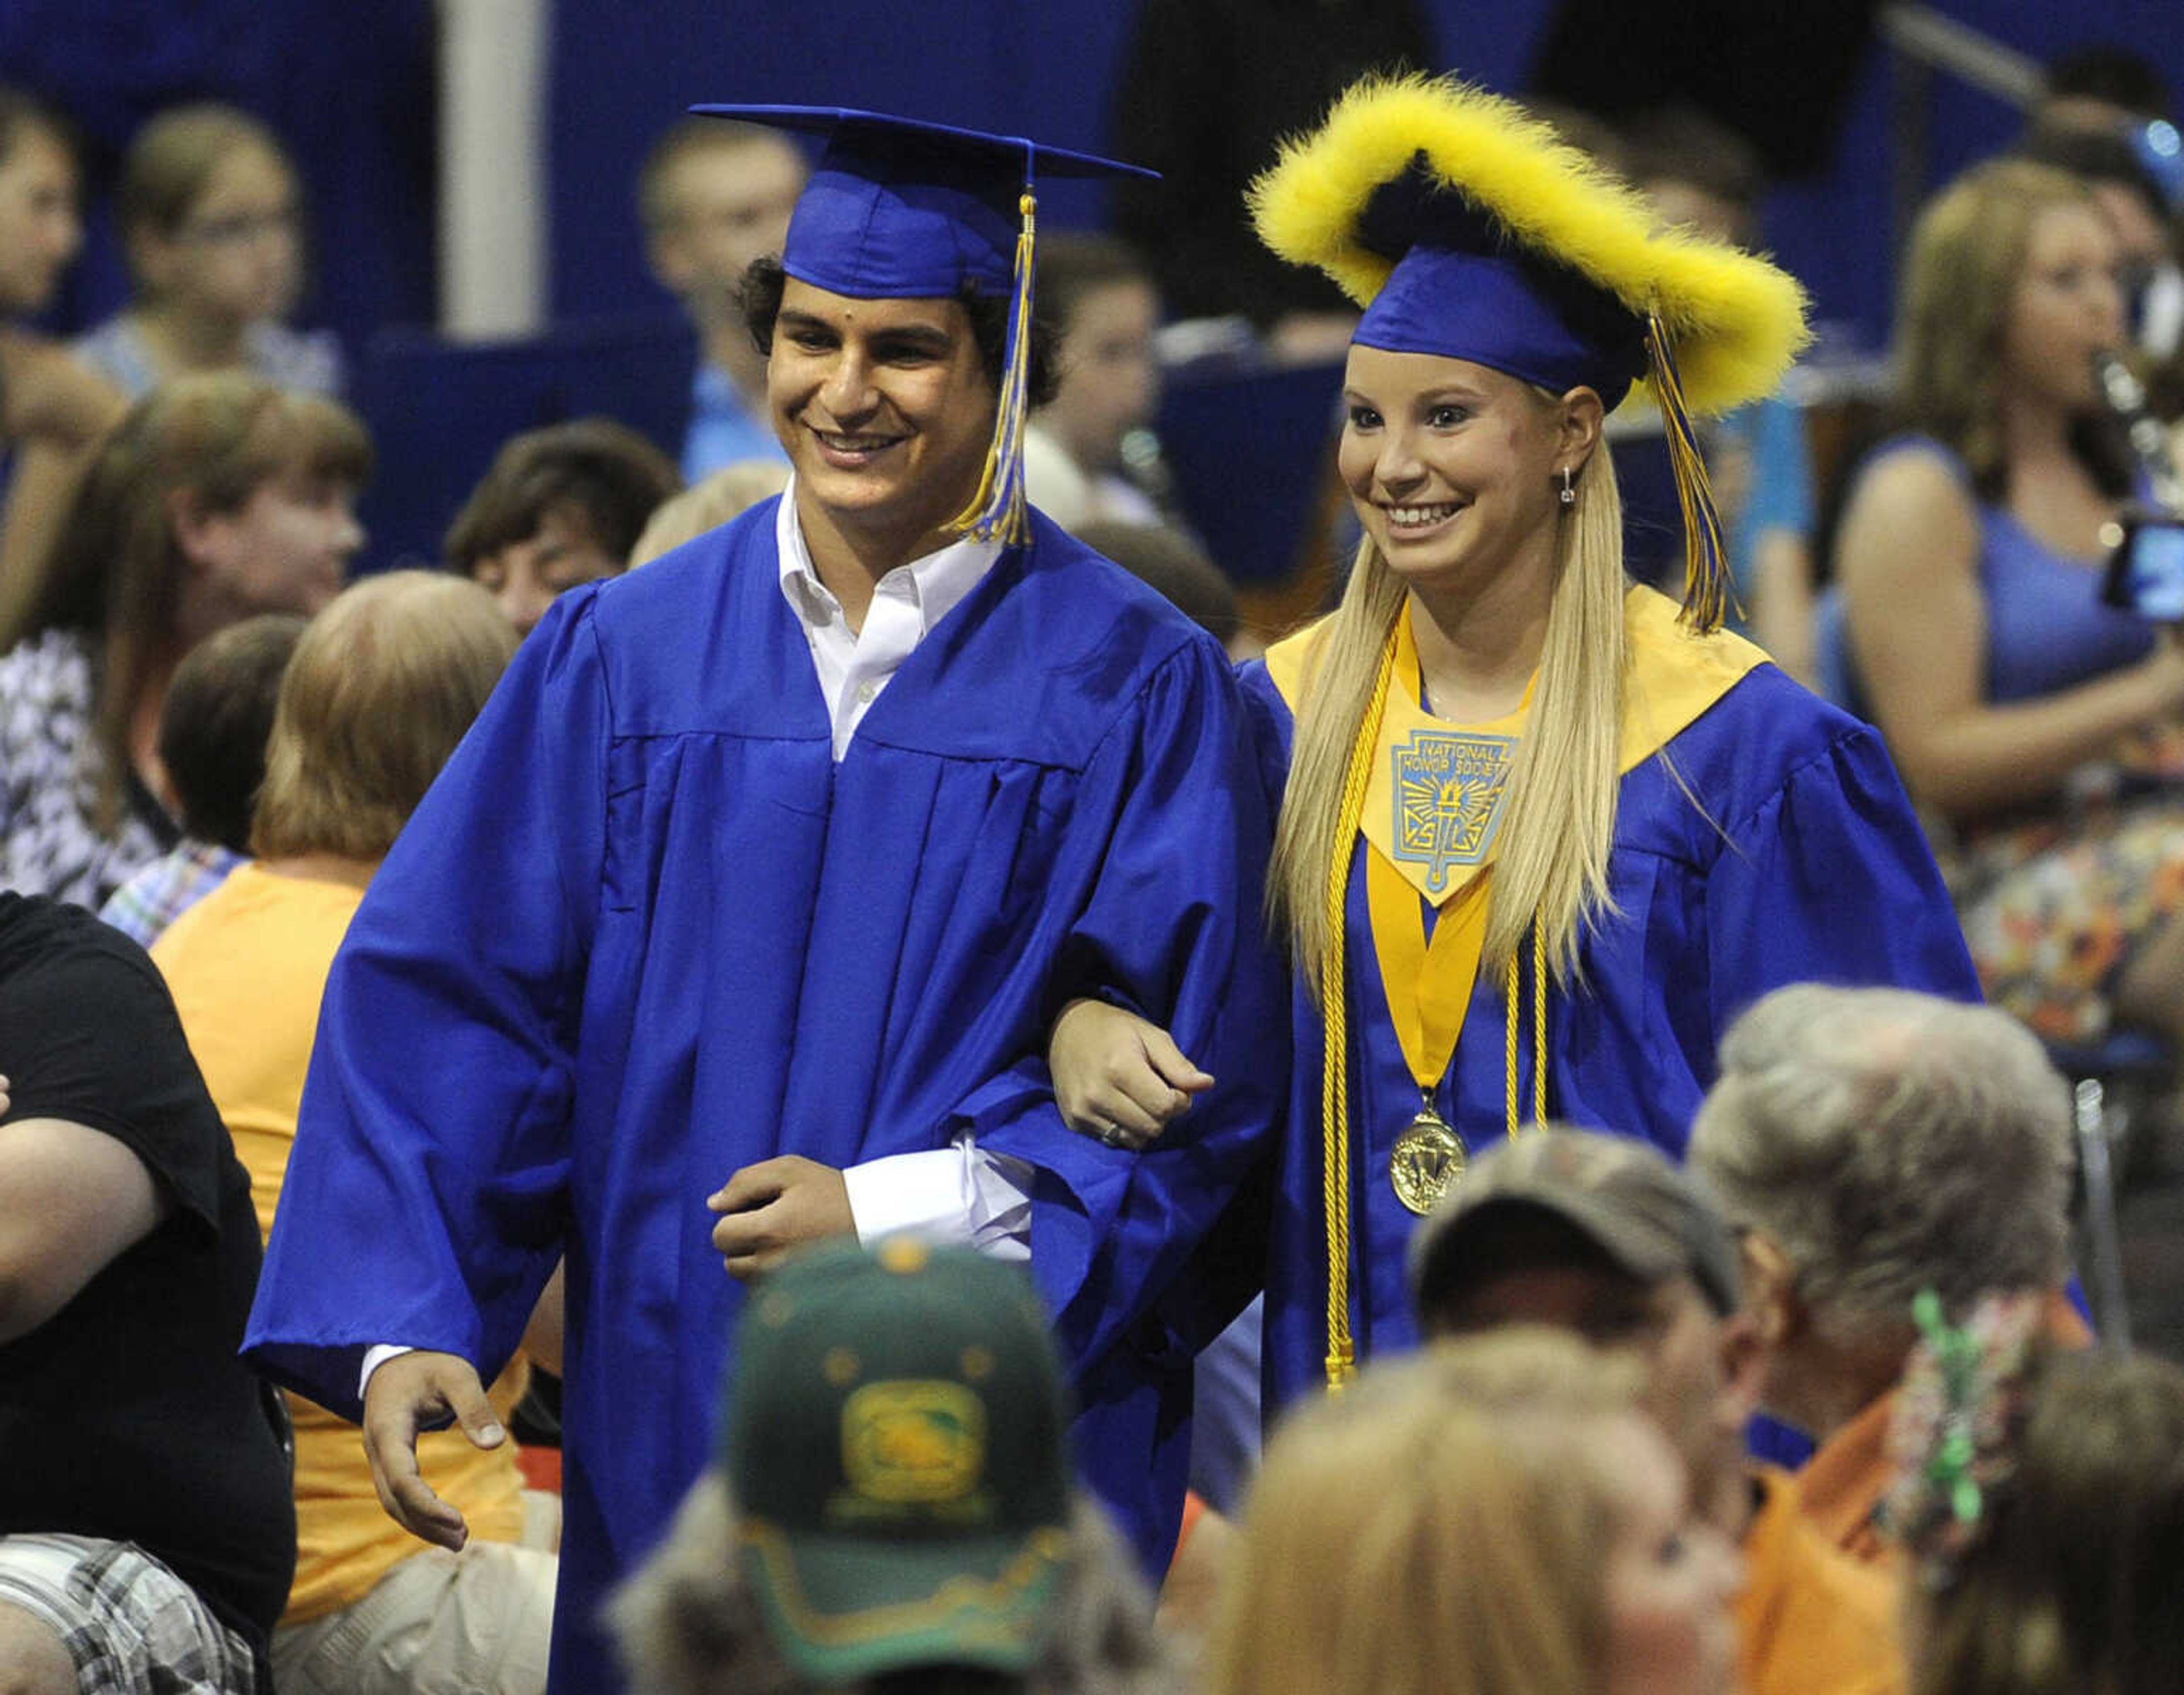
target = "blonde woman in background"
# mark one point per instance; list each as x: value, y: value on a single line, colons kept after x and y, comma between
x: 2046, y: 728
x: 1492, y: 1518
x: 1542, y: 834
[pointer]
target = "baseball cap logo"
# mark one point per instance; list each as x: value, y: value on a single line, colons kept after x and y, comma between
x: 914, y: 1442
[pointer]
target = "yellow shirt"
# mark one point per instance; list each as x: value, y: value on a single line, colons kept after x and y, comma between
x: 247, y: 966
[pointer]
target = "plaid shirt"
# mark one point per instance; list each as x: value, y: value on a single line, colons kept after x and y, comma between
x: 142, y: 908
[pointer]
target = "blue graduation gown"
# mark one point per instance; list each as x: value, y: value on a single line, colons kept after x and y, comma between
x: 644, y: 930
x: 1807, y: 864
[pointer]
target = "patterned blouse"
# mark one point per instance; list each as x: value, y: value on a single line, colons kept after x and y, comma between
x: 50, y: 771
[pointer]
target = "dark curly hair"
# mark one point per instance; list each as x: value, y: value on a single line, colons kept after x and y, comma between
x: 760, y: 296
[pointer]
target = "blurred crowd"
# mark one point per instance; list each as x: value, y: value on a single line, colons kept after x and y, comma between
x: 213, y: 732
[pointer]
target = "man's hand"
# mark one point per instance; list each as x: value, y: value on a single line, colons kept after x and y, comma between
x: 1116, y: 1076
x: 405, y: 1393
x: 774, y: 1208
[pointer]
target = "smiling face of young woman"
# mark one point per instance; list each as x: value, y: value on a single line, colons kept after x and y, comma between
x: 1455, y: 468
x: 885, y: 409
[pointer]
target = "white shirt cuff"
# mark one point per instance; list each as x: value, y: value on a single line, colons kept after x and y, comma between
x: 954, y: 1196
x: 374, y: 1358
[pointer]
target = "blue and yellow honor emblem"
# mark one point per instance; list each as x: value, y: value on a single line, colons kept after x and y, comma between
x: 1448, y: 791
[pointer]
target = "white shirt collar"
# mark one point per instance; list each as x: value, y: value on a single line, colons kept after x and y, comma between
x: 935, y: 583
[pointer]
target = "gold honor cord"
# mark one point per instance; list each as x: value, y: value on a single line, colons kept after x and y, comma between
x: 1440, y: 975
x: 1334, y: 1072
x: 1512, y: 987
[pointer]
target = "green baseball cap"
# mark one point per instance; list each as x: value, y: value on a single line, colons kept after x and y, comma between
x: 897, y: 1441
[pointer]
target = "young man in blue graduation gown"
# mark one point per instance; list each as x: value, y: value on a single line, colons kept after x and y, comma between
x: 740, y: 919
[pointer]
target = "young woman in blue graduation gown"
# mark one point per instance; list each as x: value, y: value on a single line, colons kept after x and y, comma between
x: 1541, y: 836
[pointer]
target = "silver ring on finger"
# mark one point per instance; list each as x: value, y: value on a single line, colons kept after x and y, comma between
x: 1115, y: 1136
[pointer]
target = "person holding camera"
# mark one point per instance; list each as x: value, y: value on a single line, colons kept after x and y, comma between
x: 2043, y: 728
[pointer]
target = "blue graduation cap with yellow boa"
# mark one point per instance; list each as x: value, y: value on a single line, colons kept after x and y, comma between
x: 897, y: 209
x: 1466, y: 228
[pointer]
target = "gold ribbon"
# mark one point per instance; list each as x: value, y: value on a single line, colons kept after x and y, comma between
x: 1428, y: 984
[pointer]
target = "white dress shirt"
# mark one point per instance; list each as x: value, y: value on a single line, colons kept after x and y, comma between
x: 854, y: 666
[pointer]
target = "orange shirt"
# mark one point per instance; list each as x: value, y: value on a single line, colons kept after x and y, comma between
x: 1811, y: 1620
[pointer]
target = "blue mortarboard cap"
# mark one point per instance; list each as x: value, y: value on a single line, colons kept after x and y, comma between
x: 897, y: 209
x: 1463, y: 289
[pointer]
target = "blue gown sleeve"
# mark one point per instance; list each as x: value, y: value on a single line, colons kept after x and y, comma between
x: 425, y: 1200
x: 1173, y: 813
x: 1837, y: 837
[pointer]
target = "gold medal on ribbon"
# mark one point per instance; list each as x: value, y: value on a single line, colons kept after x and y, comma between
x: 1426, y: 1163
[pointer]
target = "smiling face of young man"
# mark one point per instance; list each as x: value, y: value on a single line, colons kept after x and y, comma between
x: 886, y: 411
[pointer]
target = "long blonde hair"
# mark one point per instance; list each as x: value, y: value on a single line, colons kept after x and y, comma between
x: 1442, y: 1527
x: 1555, y: 836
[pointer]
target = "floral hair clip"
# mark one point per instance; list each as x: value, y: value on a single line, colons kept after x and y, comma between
x: 1953, y: 1442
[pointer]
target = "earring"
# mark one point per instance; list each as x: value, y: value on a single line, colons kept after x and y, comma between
x: 1569, y: 494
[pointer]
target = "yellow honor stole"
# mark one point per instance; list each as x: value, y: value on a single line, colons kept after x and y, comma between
x: 1427, y: 797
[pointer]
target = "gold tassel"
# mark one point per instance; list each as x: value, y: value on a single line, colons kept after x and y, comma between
x: 998, y: 509
x: 1335, y: 1071
x: 1707, y: 592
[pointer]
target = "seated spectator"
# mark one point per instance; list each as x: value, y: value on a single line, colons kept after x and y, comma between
x: 2060, y: 1570
x: 560, y: 505
x: 709, y: 503
x: 217, y: 498
x: 1867, y: 1144
x: 2044, y: 728
x: 1100, y: 296
x: 382, y: 686
x: 714, y: 196
x: 52, y: 409
x: 212, y: 219
x: 40, y: 226
x: 1601, y: 1235
x: 1490, y: 1518
x: 892, y: 1508
x: 146, y: 1532
x: 212, y: 748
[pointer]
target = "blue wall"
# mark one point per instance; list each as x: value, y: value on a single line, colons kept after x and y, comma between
x: 616, y: 87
